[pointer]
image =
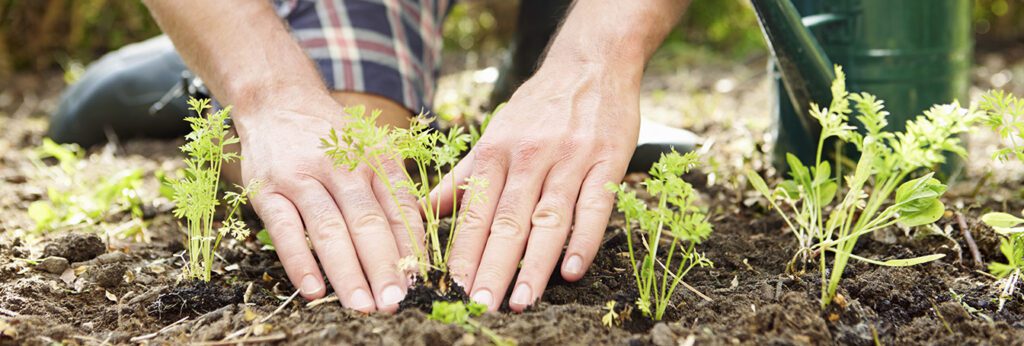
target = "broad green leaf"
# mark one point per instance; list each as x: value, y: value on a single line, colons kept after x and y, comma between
x: 788, y: 189
x: 900, y: 262
x: 826, y: 192
x: 264, y: 238
x: 1001, y: 220
x: 797, y: 170
x: 917, y: 195
x: 758, y: 183
x: 1000, y: 270
x: 923, y: 216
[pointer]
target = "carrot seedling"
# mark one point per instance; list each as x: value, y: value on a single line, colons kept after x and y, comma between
x: 461, y: 314
x: 196, y: 194
x: 878, y: 194
x: 432, y: 153
x: 675, y: 218
x: 1004, y: 113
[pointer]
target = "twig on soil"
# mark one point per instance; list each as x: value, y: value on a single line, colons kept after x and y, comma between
x: 8, y: 312
x: 94, y: 340
x: 248, y: 329
x: 971, y: 245
x: 321, y: 301
x: 161, y: 331
x: 255, y: 339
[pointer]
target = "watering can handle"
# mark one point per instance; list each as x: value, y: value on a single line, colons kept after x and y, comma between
x: 806, y: 70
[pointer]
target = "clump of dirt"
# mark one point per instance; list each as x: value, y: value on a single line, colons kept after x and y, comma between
x: 75, y: 247
x: 194, y: 297
x: 437, y: 287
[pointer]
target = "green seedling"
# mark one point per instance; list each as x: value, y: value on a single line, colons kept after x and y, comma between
x: 1011, y: 245
x: 461, y: 314
x: 611, y: 317
x: 1004, y: 113
x: 364, y: 144
x: 877, y: 193
x: 676, y: 218
x: 196, y: 193
x: 76, y: 200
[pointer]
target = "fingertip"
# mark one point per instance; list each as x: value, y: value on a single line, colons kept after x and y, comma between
x: 573, y: 268
x: 359, y: 300
x: 522, y: 297
x: 312, y: 287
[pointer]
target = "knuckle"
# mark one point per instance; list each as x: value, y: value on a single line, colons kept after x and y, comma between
x: 369, y: 221
x: 507, y: 227
x: 526, y: 150
x: 550, y: 214
x: 595, y: 202
x: 472, y: 217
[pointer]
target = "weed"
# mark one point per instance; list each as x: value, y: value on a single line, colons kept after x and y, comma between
x: 196, y: 193
x: 363, y: 143
x: 75, y: 200
x: 887, y: 159
x: 461, y: 314
x: 685, y: 223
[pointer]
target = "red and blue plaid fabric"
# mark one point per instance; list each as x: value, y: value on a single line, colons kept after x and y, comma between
x: 391, y: 48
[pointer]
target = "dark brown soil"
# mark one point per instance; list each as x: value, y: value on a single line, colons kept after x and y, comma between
x: 124, y: 292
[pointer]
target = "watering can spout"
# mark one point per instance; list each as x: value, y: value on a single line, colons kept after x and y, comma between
x: 806, y: 70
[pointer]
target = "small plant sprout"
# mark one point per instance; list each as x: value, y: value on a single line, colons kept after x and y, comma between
x: 195, y: 195
x: 461, y: 314
x: 877, y: 193
x: 1012, y: 247
x: 1004, y: 113
x: 74, y: 199
x: 611, y: 317
x: 676, y: 218
x: 363, y: 143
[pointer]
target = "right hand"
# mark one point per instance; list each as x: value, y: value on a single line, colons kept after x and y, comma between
x: 354, y: 225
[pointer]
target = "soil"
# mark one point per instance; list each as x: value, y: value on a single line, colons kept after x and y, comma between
x: 122, y: 292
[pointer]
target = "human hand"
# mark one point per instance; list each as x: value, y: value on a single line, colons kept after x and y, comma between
x: 352, y: 222
x: 547, y: 156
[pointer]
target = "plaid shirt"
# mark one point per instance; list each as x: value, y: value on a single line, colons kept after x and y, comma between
x: 391, y: 48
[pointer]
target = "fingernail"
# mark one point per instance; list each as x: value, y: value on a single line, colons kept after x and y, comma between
x: 361, y: 300
x: 391, y: 295
x: 483, y: 297
x: 574, y: 265
x: 521, y: 295
x: 311, y: 285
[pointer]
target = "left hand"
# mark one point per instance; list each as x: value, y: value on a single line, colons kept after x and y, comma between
x: 546, y: 156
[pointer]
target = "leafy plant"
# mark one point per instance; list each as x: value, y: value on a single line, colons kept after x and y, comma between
x: 75, y: 200
x: 611, y: 317
x: 1004, y: 113
x: 196, y: 193
x: 677, y: 218
x: 887, y: 159
x: 363, y: 143
x: 1012, y: 246
x: 461, y: 314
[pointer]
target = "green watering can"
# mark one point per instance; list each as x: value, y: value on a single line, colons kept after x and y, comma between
x: 911, y: 53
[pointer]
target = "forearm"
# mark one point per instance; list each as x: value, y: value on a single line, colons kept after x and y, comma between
x: 617, y: 36
x: 240, y: 48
